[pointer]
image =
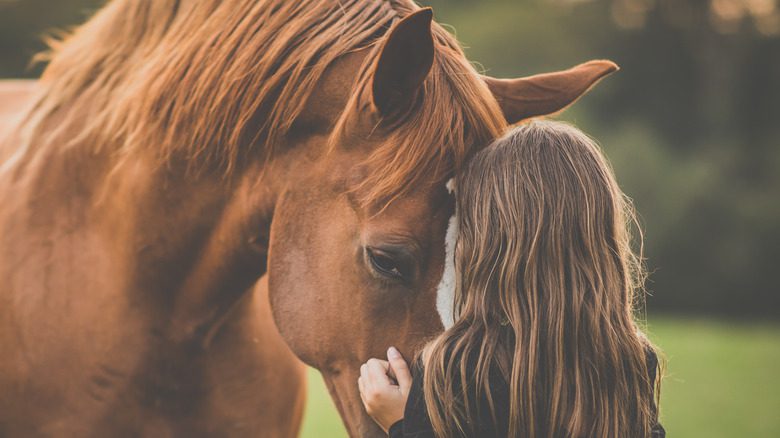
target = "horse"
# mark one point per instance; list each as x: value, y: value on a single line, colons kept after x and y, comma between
x: 204, y: 193
x: 16, y: 96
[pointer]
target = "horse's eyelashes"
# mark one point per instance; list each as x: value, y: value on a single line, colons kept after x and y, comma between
x: 388, y: 264
x: 383, y: 263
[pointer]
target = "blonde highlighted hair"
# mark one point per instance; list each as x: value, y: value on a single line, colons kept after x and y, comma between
x: 548, y: 288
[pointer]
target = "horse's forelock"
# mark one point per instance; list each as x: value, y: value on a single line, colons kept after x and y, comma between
x: 455, y: 116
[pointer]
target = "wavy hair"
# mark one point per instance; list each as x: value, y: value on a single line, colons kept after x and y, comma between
x: 548, y: 287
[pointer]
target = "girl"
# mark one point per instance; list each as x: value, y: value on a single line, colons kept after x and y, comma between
x: 545, y: 344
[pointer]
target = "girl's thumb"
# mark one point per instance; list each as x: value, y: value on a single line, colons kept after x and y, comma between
x: 400, y: 369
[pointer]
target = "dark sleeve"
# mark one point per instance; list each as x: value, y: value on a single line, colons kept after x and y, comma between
x: 397, y: 429
x: 415, y: 423
x: 657, y: 431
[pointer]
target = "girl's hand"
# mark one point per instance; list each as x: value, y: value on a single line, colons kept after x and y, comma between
x: 384, y: 400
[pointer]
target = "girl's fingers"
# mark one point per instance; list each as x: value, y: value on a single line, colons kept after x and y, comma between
x: 380, y: 362
x: 362, y: 390
x: 400, y: 369
x: 377, y: 371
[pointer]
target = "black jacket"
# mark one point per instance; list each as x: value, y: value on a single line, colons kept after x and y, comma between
x: 417, y: 424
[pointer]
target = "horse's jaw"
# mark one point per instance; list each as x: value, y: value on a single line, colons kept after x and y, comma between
x: 342, y: 385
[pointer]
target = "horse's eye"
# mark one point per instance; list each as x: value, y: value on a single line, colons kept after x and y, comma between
x: 384, y: 264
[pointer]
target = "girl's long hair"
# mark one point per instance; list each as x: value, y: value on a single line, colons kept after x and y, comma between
x: 548, y: 288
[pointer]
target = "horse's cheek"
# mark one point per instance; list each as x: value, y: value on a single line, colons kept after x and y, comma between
x: 311, y: 275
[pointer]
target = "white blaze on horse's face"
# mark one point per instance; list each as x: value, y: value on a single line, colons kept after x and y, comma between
x: 445, y: 291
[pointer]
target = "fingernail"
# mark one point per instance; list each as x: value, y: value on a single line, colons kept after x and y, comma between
x: 392, y: 353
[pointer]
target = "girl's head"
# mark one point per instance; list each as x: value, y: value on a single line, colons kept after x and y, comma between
x: 547, y: 286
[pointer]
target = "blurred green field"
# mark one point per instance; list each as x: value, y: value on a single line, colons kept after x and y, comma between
x: 722, y: 380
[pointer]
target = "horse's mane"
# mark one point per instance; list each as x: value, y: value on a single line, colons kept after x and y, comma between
x: 189, y: 79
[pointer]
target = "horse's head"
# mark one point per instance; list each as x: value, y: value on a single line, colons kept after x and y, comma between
x: 357, y: 246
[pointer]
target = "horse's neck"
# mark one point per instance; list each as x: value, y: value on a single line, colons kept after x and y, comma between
x: 199, y: 240
x: 16, y: 96
x: 188, y: 244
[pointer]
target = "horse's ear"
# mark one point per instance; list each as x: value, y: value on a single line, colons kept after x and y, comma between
x: 546, y: 93
x: 404, y: 63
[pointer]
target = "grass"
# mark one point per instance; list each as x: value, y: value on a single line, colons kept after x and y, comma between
x: 722, y: 380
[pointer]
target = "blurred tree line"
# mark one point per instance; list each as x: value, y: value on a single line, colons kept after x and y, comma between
x: 691, y: 123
